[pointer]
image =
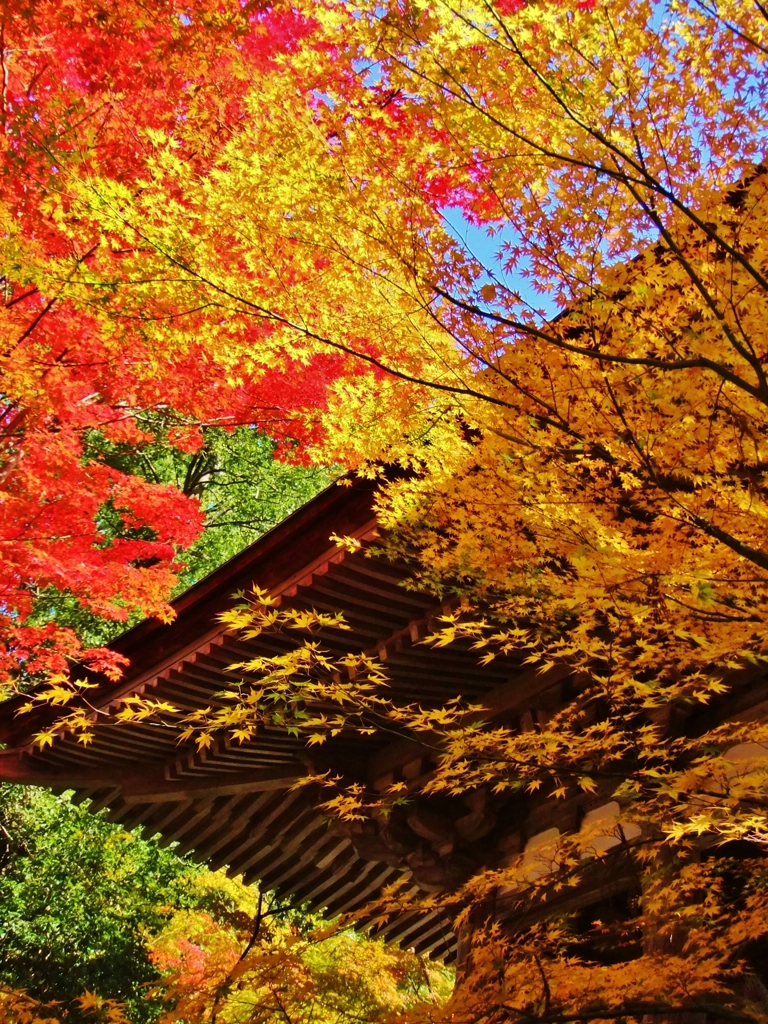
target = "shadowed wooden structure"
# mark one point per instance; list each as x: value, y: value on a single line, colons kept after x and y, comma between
x: 235, y: 805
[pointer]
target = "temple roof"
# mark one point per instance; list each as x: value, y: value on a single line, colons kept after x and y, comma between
x: 237, y: 805
x: 233, y: 805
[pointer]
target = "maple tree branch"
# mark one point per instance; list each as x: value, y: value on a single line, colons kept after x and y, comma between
x: 700, y: 362
x: 647, y: 179
x: 50, y: 304
x: 634, y: 1009
x: 159, y: 319
x: 739, y: 547
x: 258, y: 921
x: 45, y: 310
x: 709, y: 300
x: 274, y: 317
x: 755, y: 556
x: 545, y: 986
x: 714, y: 616
x: 373, y: 361
x: 714, y: 13
x: 538, y: 147
x: 553, y: 419
x: 20, y: 298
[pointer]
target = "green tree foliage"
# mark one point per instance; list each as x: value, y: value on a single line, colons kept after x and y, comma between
x: 244, y: 490
x: 92, y: 913
x: 80, y: 897
x: 285, y: 966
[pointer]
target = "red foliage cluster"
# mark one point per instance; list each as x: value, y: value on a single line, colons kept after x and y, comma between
x: 80, y: 81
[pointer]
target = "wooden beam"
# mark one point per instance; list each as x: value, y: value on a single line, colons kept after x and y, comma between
x: 16, y: 767
x: 207, y: 787
x: 148, y: 787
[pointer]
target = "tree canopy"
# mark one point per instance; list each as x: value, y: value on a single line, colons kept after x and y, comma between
x: 82, y: 87
x: 533, y: 234
x: 104, y: 925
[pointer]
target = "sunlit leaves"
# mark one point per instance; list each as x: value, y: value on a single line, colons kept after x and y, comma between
x: 92, y: 93
x: 582, y: 421
x: 288, y: 965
